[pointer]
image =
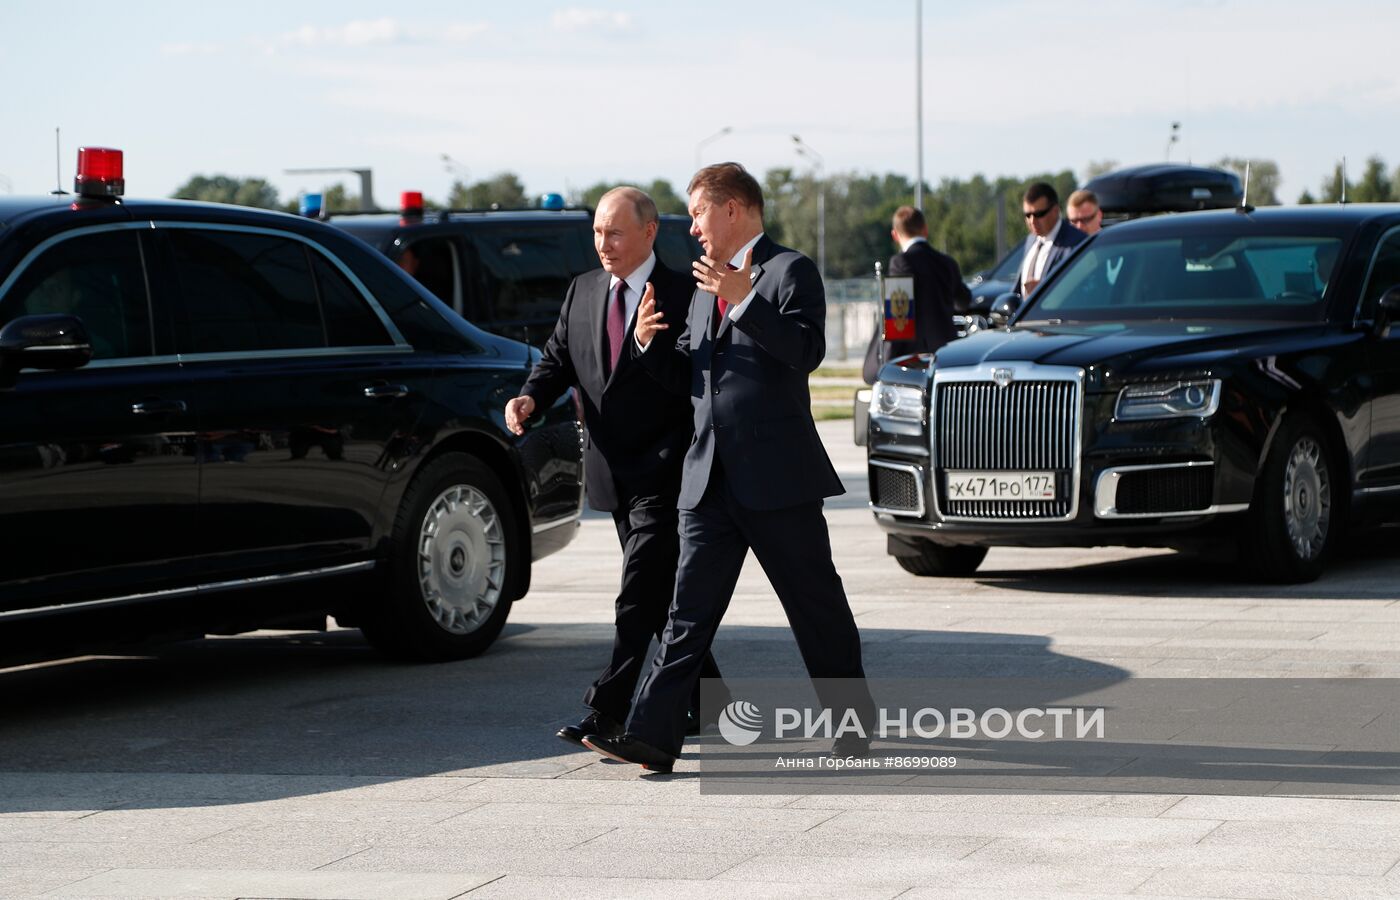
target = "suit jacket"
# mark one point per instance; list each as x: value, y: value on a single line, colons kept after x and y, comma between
x: 747, y: 382
x: 1066, y: 240
x: 637, y: 430
x: 939, y: 294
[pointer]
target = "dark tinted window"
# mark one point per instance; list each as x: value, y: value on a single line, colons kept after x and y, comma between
x: 433, y: 262
x: 99, y: 279
x: 350, y: 322
x: 525, y: 270
x: 675, y: 247
x: 1216, y: 276
x: 244, y: 292
x: 1385, y: 274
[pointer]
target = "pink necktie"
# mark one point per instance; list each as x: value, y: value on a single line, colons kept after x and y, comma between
x: 617, y: 325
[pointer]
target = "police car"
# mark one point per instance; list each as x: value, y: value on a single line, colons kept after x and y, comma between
x: 504, y: 270
x: 215, y: 419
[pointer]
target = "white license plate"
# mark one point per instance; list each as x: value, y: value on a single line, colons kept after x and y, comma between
x: 1000, y: 485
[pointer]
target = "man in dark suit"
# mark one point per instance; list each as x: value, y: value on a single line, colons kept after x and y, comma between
x: 1050, y: 240
x: 637, y: 435
x: 939, y: 293
x: 756, y: 471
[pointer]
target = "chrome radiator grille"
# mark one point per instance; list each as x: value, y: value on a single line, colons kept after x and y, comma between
x: 1026, y: 426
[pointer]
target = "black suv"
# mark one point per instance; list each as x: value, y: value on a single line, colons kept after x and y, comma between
x: 503, y: 270
x: 196, y: 400
x: 1179, y: 380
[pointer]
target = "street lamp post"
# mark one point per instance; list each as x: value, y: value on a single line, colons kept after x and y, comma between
x: 709, y: 140
x: 919, y: 99
x: 807, y: 152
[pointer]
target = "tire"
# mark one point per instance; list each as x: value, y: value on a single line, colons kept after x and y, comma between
x: 453, y: 558
x: 937, y: 560
x: 1293, y: 517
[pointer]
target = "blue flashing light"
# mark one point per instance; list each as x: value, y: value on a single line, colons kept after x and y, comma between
x: 551, y: 201
x: 311, y: 205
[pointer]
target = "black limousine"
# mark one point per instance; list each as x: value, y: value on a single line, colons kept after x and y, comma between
x: 1179, y: 380
x: 215, y: 419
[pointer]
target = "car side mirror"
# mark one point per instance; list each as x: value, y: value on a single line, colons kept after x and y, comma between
x: 1003, y: 308
x: 50, y: 341
x: 1387, y: 310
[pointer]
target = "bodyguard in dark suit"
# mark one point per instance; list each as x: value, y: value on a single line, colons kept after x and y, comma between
x: 637, y: 434
x: 756, y: 471
x: 939, y: 293
x: 1050, y: 240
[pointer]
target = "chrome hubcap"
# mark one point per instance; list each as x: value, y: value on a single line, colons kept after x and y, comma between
x: 461, y: 559
x: 1307, y: 498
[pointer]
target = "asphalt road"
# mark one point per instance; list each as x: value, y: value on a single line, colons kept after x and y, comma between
x: 303, y: 765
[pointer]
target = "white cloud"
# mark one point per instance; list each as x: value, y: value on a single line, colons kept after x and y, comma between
x: 189, y: 49
x: 358, y: 33
x: 367, y: 33
x: 575, y: 19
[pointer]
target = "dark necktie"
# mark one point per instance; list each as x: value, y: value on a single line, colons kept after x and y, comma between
x: 617, y: 325
x: 1035, y: 261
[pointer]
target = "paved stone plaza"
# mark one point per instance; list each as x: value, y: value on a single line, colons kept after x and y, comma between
x: 303, y: 766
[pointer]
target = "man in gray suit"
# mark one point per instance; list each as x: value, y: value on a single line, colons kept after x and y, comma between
x: 756, y: 473
x: 1050, y: 240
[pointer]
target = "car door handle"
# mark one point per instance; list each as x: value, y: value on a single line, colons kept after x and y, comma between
x: 386, y: 391
x: 157, y: 407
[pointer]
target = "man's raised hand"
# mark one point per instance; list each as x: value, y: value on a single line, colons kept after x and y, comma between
x: 517, y: 411
x: 648, y: 319
x: 718, y: 279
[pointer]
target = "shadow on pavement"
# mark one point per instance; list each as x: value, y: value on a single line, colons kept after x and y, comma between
x: 239, y: 715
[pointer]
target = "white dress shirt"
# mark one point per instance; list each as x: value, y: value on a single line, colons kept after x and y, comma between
x: 1039, y: 251
x: 636, y: 286
x: 906, y: 243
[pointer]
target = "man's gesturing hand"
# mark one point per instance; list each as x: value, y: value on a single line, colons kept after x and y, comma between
x: 718, y: 279
x: 517, y: 411
x: 648, y: 319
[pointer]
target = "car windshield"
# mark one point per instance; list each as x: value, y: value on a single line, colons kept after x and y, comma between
x: 1195, y: 276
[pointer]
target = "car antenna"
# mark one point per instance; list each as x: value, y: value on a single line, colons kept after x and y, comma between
x: 1344, y: 180
x: 57, y: 163
x: 1244, y: 206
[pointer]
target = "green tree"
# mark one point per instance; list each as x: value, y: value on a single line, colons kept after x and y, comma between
x: 1331, y: 189
x: 254, y: 192
x: 503, y: 191
x: 660, y: 190
x: 1306, y: 197
x: 1375, y: 184
x: 336, y: 199
x: 1263, y: 178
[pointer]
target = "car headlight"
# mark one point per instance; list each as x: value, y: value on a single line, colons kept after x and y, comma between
x: 1169, y: 400
x: 897, y: 401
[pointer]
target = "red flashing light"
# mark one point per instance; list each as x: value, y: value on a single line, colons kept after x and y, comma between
x: 411, y: 203
x: 99, y: 173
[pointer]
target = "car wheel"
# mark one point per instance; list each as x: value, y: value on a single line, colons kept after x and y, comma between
x: 1293, y: 528
x: 935, y: 559
x: 453, y: 557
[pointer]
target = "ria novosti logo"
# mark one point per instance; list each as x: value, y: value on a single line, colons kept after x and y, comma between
x: 740, y: 723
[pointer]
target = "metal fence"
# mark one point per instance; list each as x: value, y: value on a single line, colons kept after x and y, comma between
x: 851, y: 308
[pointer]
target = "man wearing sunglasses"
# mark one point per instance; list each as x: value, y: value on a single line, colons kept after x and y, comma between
x: 1082, y: 210
x: 1050, y: 240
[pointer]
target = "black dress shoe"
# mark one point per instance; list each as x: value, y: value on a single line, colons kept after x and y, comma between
x: 625, y: 748
x: 593, y: 723
x: 850, y: 746
x: 692, y: 723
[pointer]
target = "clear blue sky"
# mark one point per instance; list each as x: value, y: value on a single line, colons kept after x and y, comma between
x: 569, y: 95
